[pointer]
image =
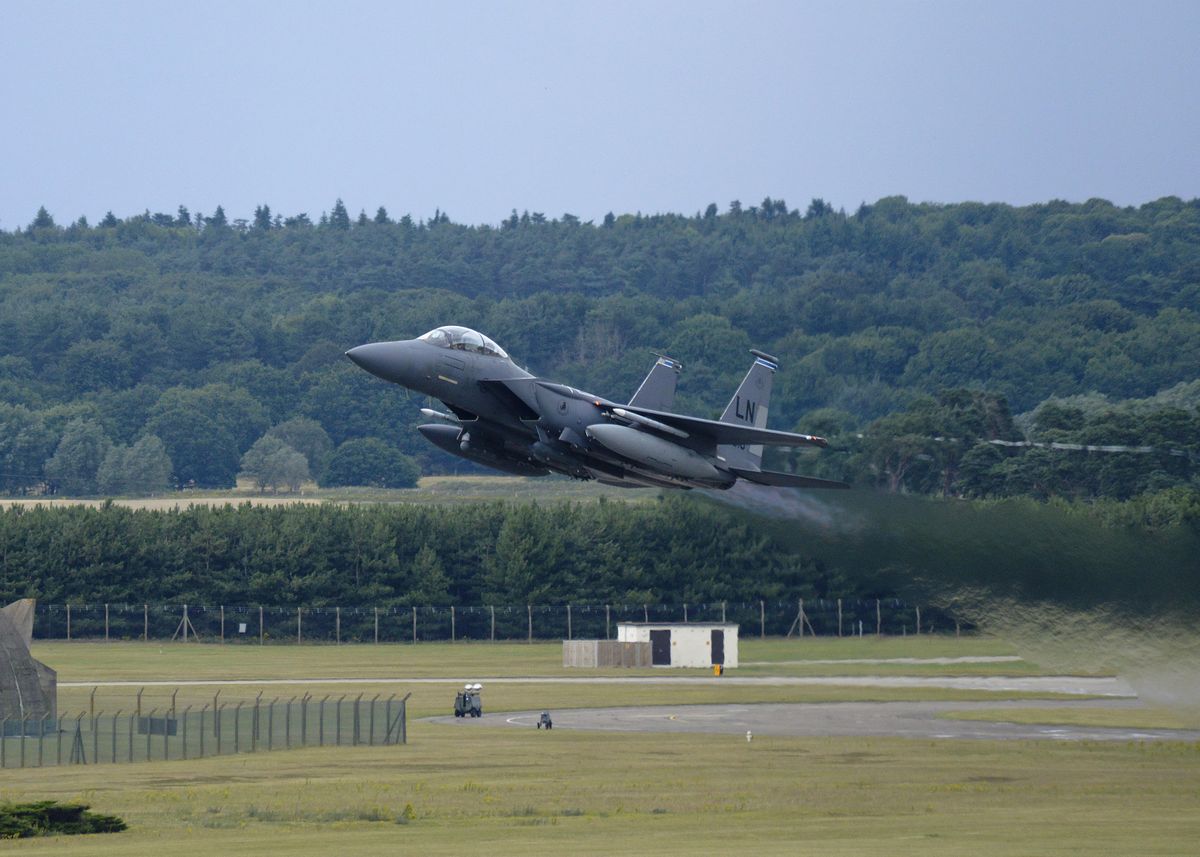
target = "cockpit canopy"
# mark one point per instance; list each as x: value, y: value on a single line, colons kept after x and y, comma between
x: 463, y: 339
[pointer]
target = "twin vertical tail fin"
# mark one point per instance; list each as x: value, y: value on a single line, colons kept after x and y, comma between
x: 749, y: 407
x: 657, y: 392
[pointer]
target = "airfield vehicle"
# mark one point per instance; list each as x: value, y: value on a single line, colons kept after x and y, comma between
x: 468, y: 702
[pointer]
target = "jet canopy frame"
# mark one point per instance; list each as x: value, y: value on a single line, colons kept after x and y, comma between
x: 458, y: 338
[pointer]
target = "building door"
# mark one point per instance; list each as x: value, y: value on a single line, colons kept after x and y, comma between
x: 718, y: 647
x: 660, y: 648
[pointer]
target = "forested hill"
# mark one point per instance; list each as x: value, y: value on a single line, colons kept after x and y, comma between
x: 205, y: 331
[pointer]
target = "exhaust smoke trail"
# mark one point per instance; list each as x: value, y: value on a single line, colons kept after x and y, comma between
x: 784, y: 504
x: 1072, y: 594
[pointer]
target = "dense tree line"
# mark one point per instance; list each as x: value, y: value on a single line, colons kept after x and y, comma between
x: 191, y: 337
x: 678, y: 549
x: 667, y: 551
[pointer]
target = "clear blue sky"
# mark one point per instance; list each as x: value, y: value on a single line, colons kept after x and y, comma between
x: 588, y: 107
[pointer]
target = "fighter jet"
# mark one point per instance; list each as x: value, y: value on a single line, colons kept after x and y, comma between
x: 503, y: 417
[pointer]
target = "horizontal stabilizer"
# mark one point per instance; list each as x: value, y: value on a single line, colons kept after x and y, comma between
x: 785, y: 480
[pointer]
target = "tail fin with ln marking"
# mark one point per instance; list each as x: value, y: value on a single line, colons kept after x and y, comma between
x: 749, y: 407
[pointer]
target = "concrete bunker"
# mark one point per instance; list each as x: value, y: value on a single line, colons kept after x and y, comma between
x: 28, y: 688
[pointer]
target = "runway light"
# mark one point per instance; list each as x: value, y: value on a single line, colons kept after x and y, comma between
x: 749, y: 735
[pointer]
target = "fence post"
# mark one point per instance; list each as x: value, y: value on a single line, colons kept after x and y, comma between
x: 114, y: 739
x: 377, y: 626
x: 371, y: 736
x: 337, y: 625
x: 839, y: 605
x: 529, y: 610
x: 253, y: 732
x: 453, y: 628
x: 492, y: 608
x: 146, y: 623
x: 78, y: 750
x: 801, y: 605
x: 222, y: 623
x: 182, y: 730
x: 607, y: 623
x: 414, y: 623
x: 918, y: 621
x: 260, y: 625
x: 298, y: 633
x: 149, y: 720
x: 68, y: 637
x: 404, y: 719
x: 304, y: 720
x: 878, y: 620
x: 762, y: 620
x: 722, y: 611
x: 184, y: 624
x: 337, y: 738
x: 4, y: 744
x: 685, y: 612
x: 321, y: 721
x: 569, y: 637
x: 106, y: 623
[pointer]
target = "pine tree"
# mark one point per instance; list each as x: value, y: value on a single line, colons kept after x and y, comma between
x: 42, y: 220
x: 339, y: 218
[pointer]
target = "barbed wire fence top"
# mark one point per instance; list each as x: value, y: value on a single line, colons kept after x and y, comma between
x: 261, y: 624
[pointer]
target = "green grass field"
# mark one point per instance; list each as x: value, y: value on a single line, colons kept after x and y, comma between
x: 154, y: 662
x: 512, y: 791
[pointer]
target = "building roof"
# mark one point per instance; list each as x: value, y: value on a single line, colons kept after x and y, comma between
x: 680, y: 624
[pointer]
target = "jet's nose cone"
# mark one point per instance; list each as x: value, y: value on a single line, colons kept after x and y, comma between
x: 361, y: 354
x: 385, y: 359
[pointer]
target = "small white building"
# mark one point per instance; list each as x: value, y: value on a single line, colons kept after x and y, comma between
x: 684, y: 644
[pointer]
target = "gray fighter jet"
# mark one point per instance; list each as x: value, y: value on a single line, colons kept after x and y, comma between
x: 503, y: 417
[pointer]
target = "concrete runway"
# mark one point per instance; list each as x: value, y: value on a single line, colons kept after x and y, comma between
x: 831, y: 719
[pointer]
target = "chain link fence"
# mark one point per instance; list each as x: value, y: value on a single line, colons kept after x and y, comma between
x: 400, y: 624
x: 196, y: 732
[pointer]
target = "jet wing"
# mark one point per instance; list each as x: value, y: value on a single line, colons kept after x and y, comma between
x: 727, y: 433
